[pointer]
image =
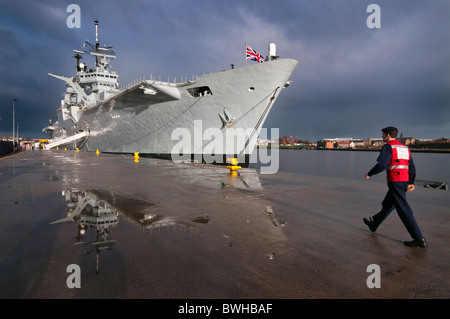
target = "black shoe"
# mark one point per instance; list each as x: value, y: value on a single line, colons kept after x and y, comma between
x: 422, y: 243
x: 370, y: 223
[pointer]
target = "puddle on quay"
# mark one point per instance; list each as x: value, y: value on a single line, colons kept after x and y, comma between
x: 88, y: 212
x: 95, y: 214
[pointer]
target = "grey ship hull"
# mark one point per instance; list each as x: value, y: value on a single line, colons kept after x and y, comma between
x: 147, y: 122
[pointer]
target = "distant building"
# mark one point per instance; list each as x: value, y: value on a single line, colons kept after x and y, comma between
x: 439, y: 144
x: 373, y: 143
x: 342, y: 144
x: 288, y: 140
x: 325, y: 144
x: 407, y: 140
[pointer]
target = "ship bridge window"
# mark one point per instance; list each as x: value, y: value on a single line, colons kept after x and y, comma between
x: 199, y: 91
x: 73, y: 98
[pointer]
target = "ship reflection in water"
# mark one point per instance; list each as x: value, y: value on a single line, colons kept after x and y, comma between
x: 91, y: 212
x: 96, y: 211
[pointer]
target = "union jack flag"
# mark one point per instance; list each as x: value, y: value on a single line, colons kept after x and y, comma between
x: 252, y: 55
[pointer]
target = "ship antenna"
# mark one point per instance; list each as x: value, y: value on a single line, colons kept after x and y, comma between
x: 96, y: 34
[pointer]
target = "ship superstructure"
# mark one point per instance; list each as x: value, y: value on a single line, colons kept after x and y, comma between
x: 207, y: 119
x: 91, y: 86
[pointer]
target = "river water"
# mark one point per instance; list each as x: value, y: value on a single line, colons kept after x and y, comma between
x: 355, y: 164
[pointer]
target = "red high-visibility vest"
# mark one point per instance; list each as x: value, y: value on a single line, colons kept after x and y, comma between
x: 398, y: 167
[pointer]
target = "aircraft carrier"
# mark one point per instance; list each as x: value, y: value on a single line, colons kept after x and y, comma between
x: 208, y: 119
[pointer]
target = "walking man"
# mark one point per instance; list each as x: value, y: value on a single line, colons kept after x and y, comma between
x: 396, y: 159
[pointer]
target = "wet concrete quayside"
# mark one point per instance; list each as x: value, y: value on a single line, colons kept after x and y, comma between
x: 193, y: 231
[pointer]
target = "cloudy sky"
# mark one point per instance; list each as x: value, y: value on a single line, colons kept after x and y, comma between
x: 351, y: 81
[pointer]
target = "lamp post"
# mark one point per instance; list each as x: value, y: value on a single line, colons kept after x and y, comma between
x: 17, y: 135
x: 14, y: 102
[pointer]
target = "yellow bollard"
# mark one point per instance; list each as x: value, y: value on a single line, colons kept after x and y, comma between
x: 136, y: 157
x: 65, y: 148
x: 77, y: 149
x: 97, y: 152
x: 233, y: 167
x: 57, y: 147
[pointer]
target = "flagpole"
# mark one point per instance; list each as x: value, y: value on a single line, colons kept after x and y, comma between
x: 245, y: 53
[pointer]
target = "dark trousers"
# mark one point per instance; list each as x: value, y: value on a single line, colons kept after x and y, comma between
x: 396, y: 198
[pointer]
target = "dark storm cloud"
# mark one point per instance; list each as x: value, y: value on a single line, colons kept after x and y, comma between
x: 358, y: 81
x: 351, y: 80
